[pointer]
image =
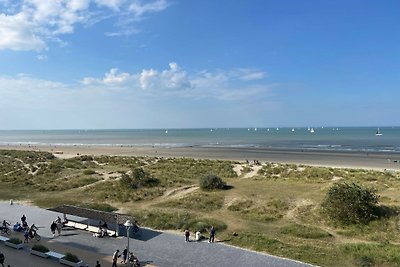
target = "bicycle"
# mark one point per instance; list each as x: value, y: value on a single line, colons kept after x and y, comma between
x: 5, y: 230
x: 35, y: 236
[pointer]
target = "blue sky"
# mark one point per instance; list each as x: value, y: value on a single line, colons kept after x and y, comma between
x: 198, y: 63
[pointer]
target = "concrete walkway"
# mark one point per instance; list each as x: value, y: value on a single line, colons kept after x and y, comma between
x: 154, y: 248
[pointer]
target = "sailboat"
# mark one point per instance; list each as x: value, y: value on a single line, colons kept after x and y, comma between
x: 312, y: 130
x: 378, y: 133
x: 292, y: 129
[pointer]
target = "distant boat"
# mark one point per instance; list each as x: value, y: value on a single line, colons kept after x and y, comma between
x: 378, y: 133
x: 292, y: 129
x: 268, y: 130
x: 166, y: 131
x: 308, y: 129
x: 277, y: 129
x: 312, y: 130
x: 255, y: 129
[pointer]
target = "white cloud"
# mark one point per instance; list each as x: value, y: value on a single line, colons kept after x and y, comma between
x: 31, y: 24
x: 16, y: 34
x: 229, y: 85
x: 147, y: 78
x: 139, y: 9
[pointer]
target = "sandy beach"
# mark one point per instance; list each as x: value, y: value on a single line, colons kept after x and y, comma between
x: 376, y: 160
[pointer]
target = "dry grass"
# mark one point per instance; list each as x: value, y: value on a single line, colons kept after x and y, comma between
x: 275, y: 210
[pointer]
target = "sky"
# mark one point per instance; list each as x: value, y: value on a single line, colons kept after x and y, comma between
x: 122, y: 64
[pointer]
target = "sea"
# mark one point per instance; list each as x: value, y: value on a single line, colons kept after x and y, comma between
x: 357, y: 139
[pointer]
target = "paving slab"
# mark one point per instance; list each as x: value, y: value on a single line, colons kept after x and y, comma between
x: 155, y: 248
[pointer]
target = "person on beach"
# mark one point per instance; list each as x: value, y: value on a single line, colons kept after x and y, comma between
x: 97, y: 264
x: 187, y: 235
x: 115, y: 257
x: 212, y: 235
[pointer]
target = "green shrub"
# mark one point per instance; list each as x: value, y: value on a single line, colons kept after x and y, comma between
x: 138, y: 179
x: 71, y: 257
x: 89, y: 172
x: 210, y: 182
x: 40, y: 248
x: 15, y: 240
x: 350, y: 204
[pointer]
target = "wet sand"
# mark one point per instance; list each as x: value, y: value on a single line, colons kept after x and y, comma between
x: 375, y: 160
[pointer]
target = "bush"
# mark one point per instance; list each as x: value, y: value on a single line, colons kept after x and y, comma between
x: 138, y: 179
x: 210, y: 182
x: 15, y: 240
x: 89, y: 172
x: 40, y: 248
x: 71, y: 257
x: 350, y: 204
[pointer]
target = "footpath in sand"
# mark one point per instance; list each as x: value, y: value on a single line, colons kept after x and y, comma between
x: 153, y: 248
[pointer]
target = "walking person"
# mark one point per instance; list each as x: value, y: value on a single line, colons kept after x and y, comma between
x: 212, y: 235
x: 2, y: 258
x: 187, y: 235
x: 53, y: 228
x: 124, y: 255
x: 115, y: 258
x: 97, y: 264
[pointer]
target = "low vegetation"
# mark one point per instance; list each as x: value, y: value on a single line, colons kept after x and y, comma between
x: 40, y: 248
x: 323, y: 216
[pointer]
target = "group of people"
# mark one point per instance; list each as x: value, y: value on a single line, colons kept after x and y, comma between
x: 57, y: 225
x: 199, y: 236
x: 102, y: 231
x: 29, y: 231
x: 127, y: 258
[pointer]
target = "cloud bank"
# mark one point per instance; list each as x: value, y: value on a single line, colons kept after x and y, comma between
x: 31, y: 24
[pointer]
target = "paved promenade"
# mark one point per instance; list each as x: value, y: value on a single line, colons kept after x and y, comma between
x: 154, y: 248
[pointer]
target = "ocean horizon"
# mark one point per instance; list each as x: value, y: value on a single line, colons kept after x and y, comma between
x: 358, y: 139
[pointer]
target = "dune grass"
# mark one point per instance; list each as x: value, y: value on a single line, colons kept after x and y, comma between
x: 276, y: 211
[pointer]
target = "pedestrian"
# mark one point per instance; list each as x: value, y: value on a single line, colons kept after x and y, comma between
x: 2, y: 258
x: 53, y: 227
x: 59, y: 227
x: 23, y: 219
x: 124, y: 255
x: 187, y: 235
x: 97, y: 264
x: 115, y: 258
x: 212, y: 235
x: 26, y: 235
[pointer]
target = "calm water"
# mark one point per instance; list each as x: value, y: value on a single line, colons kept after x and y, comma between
x: 328, y: 138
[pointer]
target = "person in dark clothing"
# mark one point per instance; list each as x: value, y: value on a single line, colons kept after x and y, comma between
x: 2, y: 258
x: 124, y: 255
x: 53, y: 228
x: 187, y: 235
x: 212, y: 234
x: 23, y: 219
x: 97, y: 264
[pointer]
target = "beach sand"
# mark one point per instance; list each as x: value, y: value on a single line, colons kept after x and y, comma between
x: 376, y: 160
